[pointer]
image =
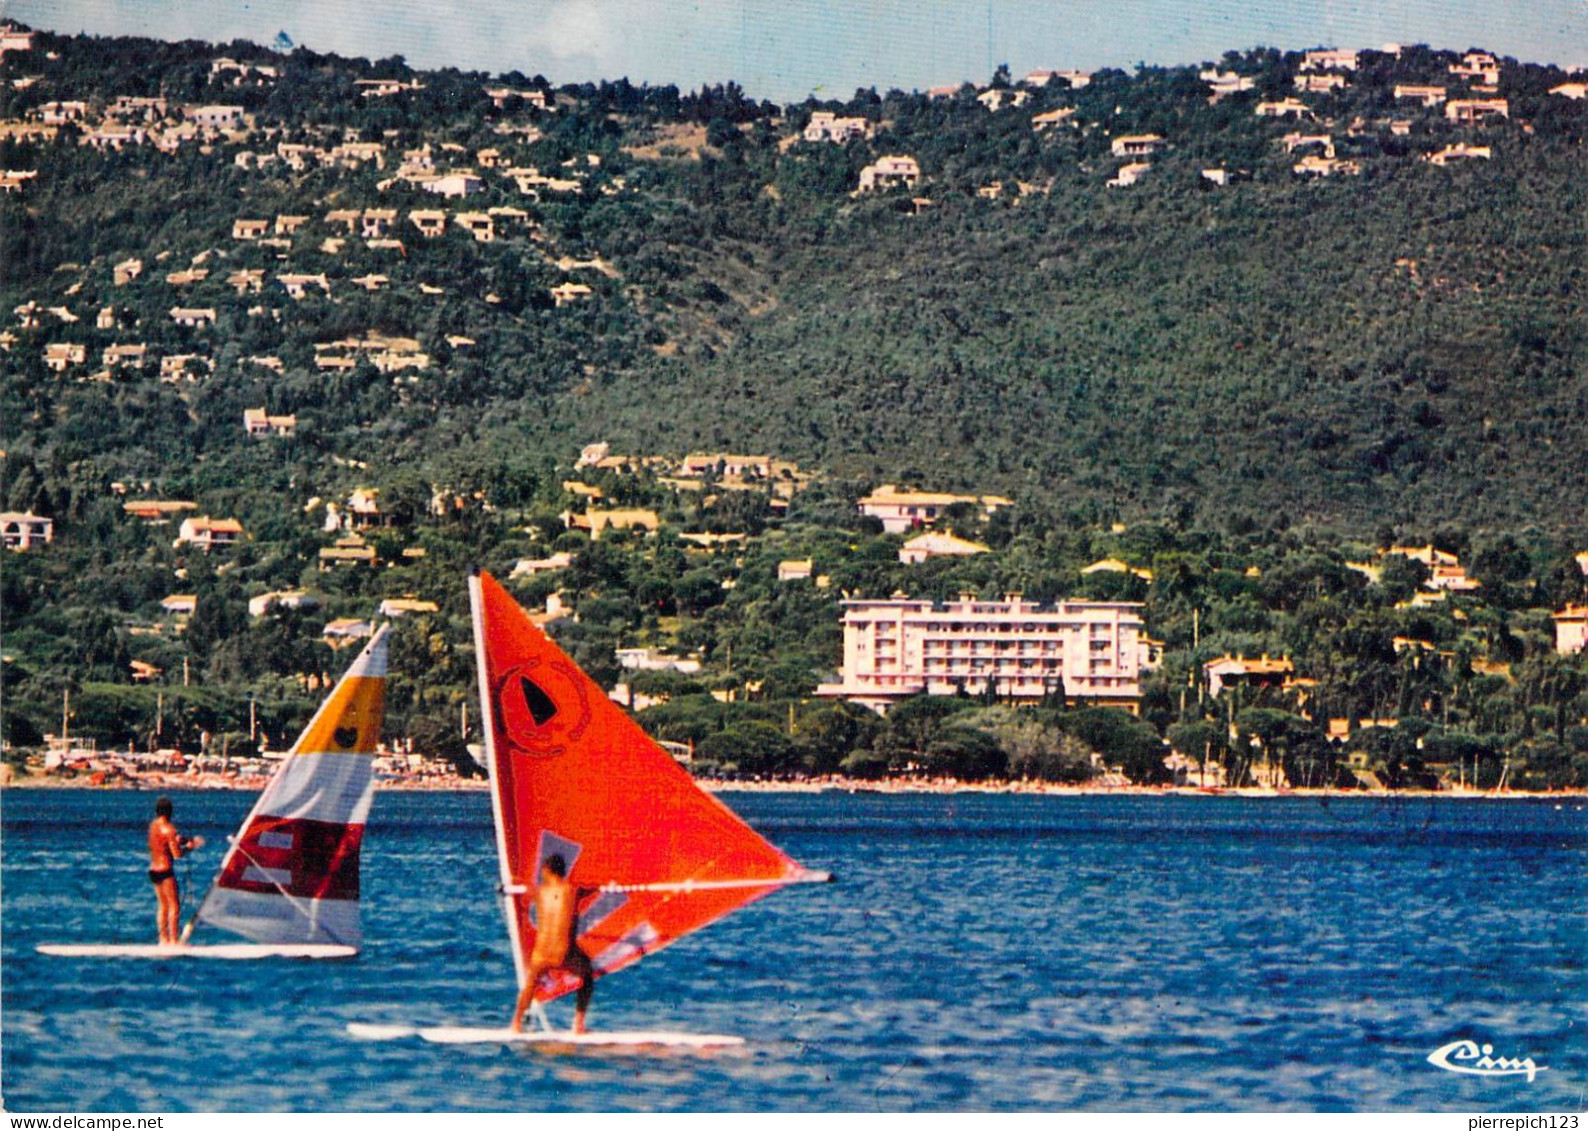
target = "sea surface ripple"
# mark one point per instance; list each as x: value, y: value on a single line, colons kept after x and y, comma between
x: 979, y: 952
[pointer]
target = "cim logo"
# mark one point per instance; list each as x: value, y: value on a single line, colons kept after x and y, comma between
x: 1473, y: 1059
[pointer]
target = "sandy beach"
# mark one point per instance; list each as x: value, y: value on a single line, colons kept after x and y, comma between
x: 154, y: 782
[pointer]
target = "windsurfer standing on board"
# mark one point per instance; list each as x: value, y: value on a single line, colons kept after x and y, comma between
x: 166, y: 846
x: 556, y: 940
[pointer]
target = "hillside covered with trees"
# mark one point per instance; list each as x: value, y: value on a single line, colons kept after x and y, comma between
x: 1327, y: 318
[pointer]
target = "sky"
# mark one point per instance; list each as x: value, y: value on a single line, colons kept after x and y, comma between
x: 787, y: 49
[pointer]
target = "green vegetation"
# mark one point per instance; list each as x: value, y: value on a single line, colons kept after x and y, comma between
x: 1256, y: 383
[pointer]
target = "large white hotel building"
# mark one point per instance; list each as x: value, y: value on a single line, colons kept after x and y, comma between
x: 1090, y: 651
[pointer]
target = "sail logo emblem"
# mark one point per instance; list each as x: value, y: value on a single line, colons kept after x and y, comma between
x: 345, y: 737
x: 542, y: 707
x: 1472, y: 1059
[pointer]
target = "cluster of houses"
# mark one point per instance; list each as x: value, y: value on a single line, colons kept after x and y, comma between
x: 1571, y: 630
x: 1247, y: 676
x: 1329, y: 70
x: 726, y: 471
x: 1446, y: 574
x: 378, y: 228
x: 117, y: 357
x: 1470, y: 99
x: 1083, y: 652
x: 386, y: 353
x: 893, y: 171
x: 447, y: 170
x: 337, y: 633
x: 130, y: 121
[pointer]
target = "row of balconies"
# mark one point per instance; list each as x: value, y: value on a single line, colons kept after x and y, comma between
x: 998, y: 645
x: 1054, y: 627
x: 980, y: 665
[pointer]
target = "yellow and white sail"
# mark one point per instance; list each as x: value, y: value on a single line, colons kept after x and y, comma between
x: 292, y: 873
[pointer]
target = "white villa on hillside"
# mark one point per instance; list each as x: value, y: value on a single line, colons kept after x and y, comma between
x: 1473, y: 111
x: 257, y: 422
x: 294, y: 599
x: 209, y: 533
x: 1571, y: 630
x: 25, y: 530
x: 827, y: 126
x: 890, y: 172
x: 1129, y: 174
x: 938, y: 544
x: 1136, y: 145
x: 1329, y: 59
x: 529, y: 567
x: 902, y: 510
x: 1427, y: 95
x: 216, y: 117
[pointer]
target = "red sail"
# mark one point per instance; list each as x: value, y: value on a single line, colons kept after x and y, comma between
x: 572, y: 774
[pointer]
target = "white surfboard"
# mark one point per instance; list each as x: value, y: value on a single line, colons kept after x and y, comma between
x: 289, y: 882
x: 231, y: 951
x: 614, y: 1038
x: 455, y: 1035
x: 367, y: 1031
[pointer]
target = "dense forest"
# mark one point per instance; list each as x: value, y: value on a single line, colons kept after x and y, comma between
x: 1240, y: 386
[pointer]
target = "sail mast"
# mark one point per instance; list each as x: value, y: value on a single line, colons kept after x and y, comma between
x: 506, y: 884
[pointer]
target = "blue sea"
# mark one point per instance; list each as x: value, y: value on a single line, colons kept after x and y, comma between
x: 978, y: 953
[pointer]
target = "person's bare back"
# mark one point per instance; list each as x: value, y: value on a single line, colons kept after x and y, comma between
x: 165, y: 845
